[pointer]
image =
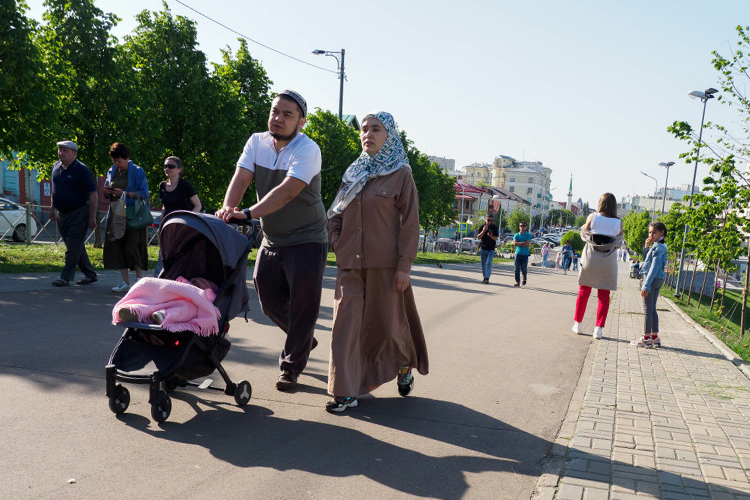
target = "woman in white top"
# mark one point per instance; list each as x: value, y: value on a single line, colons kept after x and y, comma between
x: 603, y: 234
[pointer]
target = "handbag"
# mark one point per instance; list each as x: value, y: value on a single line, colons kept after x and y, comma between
x: 139, y: 214
x: 117, y: 219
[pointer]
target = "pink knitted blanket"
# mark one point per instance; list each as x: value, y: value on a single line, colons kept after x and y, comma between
x: 185, y: 307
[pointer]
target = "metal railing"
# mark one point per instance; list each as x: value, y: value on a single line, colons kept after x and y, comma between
x: 47, y: 231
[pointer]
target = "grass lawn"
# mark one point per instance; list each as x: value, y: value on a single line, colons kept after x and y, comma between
x: 50, y: 258
x: 726, y: 327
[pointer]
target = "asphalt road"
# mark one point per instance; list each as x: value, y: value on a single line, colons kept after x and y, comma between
x: 503, y: 367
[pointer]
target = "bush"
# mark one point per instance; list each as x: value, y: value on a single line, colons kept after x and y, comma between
x: 575, y: 240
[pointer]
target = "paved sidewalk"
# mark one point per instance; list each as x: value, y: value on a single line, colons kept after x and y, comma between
x: 669, y: 423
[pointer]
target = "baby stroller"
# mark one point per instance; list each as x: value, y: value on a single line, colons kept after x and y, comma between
x: 635, y: 270
x: 193, y: 245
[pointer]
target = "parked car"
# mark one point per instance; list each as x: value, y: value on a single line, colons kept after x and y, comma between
x: 153, y: 230
x: 470, y: 245
x: 13, y: 221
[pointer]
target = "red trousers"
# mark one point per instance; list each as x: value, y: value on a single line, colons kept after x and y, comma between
x: 601, y: 311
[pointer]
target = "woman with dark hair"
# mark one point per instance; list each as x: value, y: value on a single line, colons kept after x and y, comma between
x: 602, y: 234
x: 652, y: 272
x: 175, y: 193
x: 125, y: 180
x: 374, y: 230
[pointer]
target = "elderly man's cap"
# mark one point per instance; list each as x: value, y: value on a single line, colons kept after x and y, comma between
x: 68, y: 144
x: 296, y: 98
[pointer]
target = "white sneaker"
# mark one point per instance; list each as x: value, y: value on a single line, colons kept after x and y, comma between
x: 124, y: 287
x: 577, y: 328
x: 598, y: 332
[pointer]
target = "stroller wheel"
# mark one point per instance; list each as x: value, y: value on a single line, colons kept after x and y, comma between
x: 162, y: 408
x: 243, y: 392
x: 120, y: 401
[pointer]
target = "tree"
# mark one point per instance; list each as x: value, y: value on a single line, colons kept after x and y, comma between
x: 79, y: 56
x: 435, y: 187
x: 580, y: 221
x: 28, y: 118
x: 635, y: 230
x: 575, y: 240
x: 516, y: 217
x: 339, y: 147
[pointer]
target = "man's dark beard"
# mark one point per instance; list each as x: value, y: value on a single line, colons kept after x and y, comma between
x: 280, y: 137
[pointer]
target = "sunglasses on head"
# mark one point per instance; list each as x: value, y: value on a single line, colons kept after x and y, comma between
x: 170, y: 166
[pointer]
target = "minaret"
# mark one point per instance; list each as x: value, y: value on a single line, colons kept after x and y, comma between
x: 570, y: 193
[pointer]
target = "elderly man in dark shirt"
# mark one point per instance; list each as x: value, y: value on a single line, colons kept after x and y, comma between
x: 74, y: 203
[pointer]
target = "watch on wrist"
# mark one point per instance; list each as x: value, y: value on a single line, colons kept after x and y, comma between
x: 248, y: 214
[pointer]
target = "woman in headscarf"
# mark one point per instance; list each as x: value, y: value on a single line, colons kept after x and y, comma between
x: 374, y: 230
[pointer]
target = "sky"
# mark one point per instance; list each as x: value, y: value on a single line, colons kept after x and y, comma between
x: 587, y: 87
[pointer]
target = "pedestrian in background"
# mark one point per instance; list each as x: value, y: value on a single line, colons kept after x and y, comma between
x: 74, y: 204
x: 522, y: 241
x: 567, y: 253
x: 602, y: 234
x: 125, y: 180
x: 653, y: 274
x: 175, y: 193
x: 374, y: 231
x: 545, y: 254
x: 488, y: 233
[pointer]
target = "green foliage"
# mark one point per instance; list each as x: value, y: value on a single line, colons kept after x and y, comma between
x: 635, y: 230
x: 516, y: 217
x: 575, y: 240
x: 339, y: 147
x: 580, y: 221
x: 26, y: 103
x: 435, y: 188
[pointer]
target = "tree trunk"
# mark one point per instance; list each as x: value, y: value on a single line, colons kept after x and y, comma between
x: 713, y: 292
x: 703, y: 286
x: 744, y: 292
x: 692, y: 279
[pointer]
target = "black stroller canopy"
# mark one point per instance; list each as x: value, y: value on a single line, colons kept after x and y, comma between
x: 195, y: 245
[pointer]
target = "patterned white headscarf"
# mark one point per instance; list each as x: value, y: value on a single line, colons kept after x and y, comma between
x: 389, y: 159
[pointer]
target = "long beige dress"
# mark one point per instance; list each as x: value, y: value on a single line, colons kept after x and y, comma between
x: 375, y: 330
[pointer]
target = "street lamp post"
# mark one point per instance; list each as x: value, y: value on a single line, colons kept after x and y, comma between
x: 656, y: 188
x: 664, y: 200
x: 704, y: 96
x: 340, y: 65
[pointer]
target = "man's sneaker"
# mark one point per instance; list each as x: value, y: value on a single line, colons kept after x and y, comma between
x: 287, y: 380
x: 123, y: 287
x: 577, y: 328
x: 339, y: 404
x: 405, y: 381
x: 517, y: 284
x: 598, y: 332
x: 655, y: 342
x: 524, y: 281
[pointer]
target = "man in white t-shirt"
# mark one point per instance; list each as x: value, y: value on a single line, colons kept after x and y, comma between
x: 288, y: 274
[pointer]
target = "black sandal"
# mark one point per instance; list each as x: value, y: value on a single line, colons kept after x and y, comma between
x: 60, y: 282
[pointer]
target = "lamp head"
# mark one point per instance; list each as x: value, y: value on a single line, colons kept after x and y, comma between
x: 318, y: 52
x: 666, y: 164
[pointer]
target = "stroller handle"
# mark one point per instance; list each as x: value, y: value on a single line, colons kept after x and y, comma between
x: 252, y: 224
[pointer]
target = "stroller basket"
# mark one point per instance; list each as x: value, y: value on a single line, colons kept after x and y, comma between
x: 193, y: 246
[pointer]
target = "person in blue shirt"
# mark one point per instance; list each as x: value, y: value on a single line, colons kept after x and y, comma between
x: 652, y: 272
x: 522, y: 241
x: 567, y: 251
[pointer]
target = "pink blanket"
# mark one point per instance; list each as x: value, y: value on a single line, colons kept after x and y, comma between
x: 185, y: 307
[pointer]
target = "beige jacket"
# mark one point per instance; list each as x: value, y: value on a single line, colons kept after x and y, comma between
x: 599, y: 263
x: 380, y: 227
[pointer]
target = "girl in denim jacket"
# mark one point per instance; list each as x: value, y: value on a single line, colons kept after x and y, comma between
x: 652, y: 272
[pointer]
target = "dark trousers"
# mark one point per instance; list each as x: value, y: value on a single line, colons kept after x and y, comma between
x: 289, y: 283
x: 651, y: 318
x: 73, y: 227
x: 522, y: 261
